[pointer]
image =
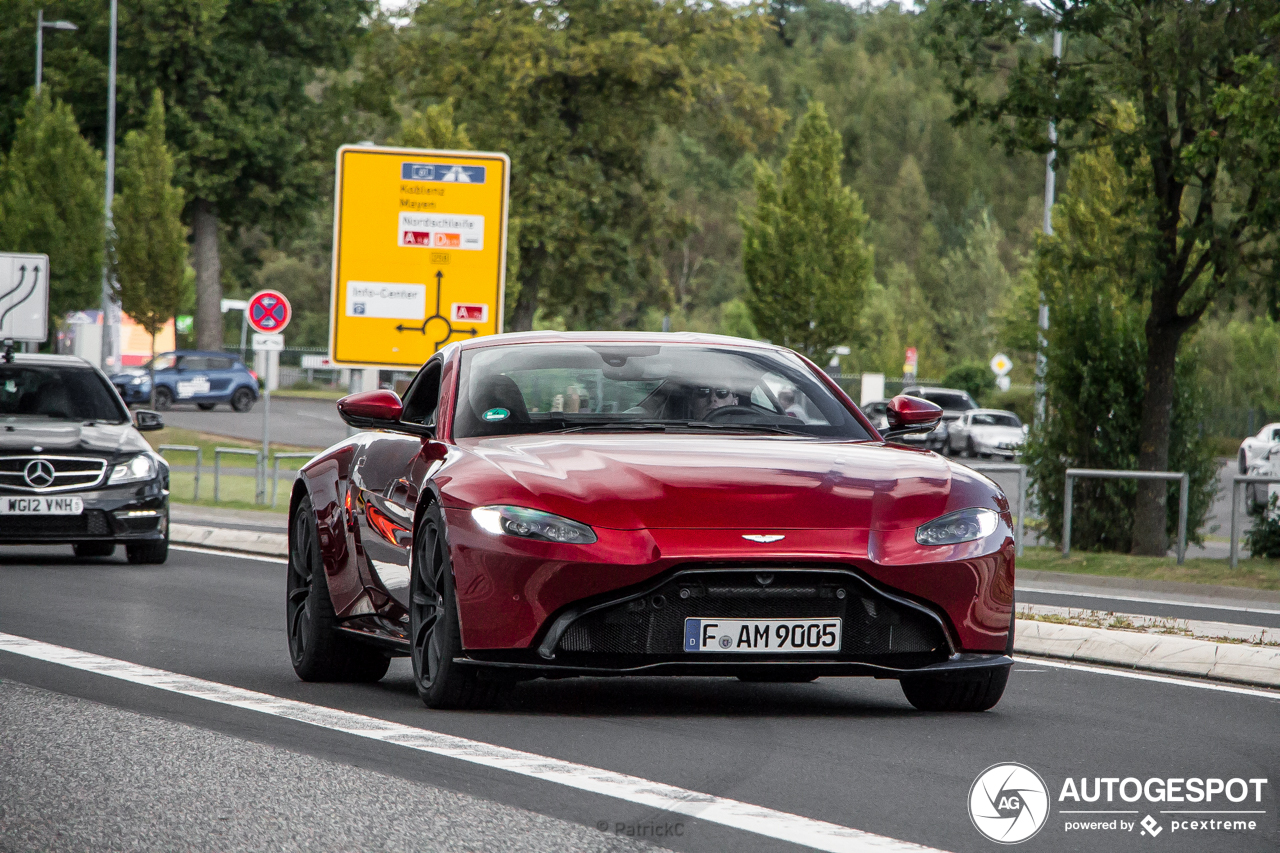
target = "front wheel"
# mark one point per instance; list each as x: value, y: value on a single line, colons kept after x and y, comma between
x: 316, y: 648
x: 242, y: 400
x: 954, y: 694
x: 164, y: 399
x: 434, y: 630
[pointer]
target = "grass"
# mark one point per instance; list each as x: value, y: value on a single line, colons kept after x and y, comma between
x: 311, y: 393
x: 1250, y: 573
x: 238, y: 482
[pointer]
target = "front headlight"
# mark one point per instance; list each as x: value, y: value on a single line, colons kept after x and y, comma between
x: 956, y: 527
x: 532, y: 524
x: 137, y: 380
x: 140, y: 467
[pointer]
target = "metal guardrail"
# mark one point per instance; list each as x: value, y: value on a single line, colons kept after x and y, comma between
x: 186, y: 448
x: 1236, y: 482
x: 275, y: 470
x: 1006, y: 467
x: 235, y: 451
x: 1109, y: 474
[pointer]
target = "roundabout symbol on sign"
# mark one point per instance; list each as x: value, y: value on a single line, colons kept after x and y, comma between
x: 268, y: 312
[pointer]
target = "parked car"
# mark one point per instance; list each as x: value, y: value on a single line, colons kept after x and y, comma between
x: 986, y: 433
x: 1255, y: 447
x: 953, y: 402
x: 73, y: 468
x: 191, y: 376
x: 551, y: 504
x: 877, y: 411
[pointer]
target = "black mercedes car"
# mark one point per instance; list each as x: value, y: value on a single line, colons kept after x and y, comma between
x: 73, y: 467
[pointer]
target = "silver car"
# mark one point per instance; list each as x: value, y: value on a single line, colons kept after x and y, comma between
x: 986, y: 433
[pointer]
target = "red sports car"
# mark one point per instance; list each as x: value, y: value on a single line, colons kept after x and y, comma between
x: 552, y: 504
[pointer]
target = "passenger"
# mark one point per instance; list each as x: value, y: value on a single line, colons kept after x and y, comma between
x: 787, y: 399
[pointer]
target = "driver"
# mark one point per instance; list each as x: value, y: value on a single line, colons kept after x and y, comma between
x: 705, y: 398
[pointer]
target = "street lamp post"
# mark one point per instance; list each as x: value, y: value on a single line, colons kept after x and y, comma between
x: 41, y: 26
x: 110, y: 311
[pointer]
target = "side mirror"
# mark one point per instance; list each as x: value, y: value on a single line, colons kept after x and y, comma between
x: 145, y: 420
x: 378, y: 410
x: 911, y: 414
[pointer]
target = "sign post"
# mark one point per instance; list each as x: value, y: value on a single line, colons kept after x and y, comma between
x: 1001, y: 364
x: 24, y: 298
x: 419, y: 252
x: 268, y: 312
x: 909, y: 364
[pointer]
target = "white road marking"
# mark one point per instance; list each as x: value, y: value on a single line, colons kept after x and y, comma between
x: 1140, y: 599
x: 1146, y: 676
x: 234, y: 554
x: 746, y: 817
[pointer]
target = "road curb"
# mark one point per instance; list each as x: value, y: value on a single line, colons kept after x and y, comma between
x: 1241, y: 664
x: 247, y: 541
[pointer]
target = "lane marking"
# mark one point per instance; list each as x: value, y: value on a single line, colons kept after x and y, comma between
x: 1042, y: 591
x: 1146, y: 676
x: 734, y: 814
x: 215, y: 552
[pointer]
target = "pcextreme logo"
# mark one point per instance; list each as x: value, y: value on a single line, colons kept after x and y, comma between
x: 1008, y: 803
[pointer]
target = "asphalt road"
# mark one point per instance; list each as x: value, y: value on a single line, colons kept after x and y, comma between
x: 848, y: 751
x: 296, y: 421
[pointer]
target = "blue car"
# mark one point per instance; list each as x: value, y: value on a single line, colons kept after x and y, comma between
x: 191, y: 376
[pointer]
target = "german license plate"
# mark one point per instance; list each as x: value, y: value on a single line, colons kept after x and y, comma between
x: 41, y: 506
x: 757, y: 636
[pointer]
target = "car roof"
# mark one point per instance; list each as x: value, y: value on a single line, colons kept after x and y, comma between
x: 50, y: 360
x: 992, y: 412
x: 925, y: 388
x: 610, y: 338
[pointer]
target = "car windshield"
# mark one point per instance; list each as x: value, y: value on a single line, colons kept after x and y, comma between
x: 161, y: 362
x: 994, y: 419
x: 531, y: 388
x: 57, y: 393
x: 948, y: 401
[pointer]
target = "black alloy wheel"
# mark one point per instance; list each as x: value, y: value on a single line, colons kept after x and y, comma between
x: 84, y: 550
x: 316, y: 648
x: 205, y: 407
x: 434, y: 632
x: 242, y: 400
x: 164, y: 399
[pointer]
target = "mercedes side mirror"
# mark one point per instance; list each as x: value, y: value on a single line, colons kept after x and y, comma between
x: 911, y: 414
x: 378, y: 410
x: 145, y: 420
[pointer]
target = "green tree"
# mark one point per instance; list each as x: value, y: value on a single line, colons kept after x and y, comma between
x: 806, y: 264
x: 150, y: 257
x: 574, y: 91
x: 51, y: 189
x: 1096, y: 359
x: 1186, y: 95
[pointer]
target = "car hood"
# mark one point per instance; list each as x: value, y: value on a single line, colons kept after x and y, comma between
x: 19, y: 436
x: 997, y: 433
x: 684, y: 481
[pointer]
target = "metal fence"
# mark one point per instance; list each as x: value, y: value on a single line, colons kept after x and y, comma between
x: 1110, y: 474
x: 186, y: 448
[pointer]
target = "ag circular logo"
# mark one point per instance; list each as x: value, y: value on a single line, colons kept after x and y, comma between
x: 1008, y: 803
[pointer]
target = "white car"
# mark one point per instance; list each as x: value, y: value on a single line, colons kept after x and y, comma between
x: 986, y: 433
x: 1255, y: 447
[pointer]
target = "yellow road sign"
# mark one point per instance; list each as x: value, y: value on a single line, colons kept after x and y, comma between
x: 419, y: 252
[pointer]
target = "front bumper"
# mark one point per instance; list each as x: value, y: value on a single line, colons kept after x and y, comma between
x: 128, y: 513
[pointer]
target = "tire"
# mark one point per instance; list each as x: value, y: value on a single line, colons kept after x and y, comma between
x: 956, y: 694
x: 435, y: 635
x: 164, y: 399
x: 970, y: 450
x: 1242, y: 462
x: 205, y: 407
x: 84, y: 550
x: 316, y: 648
x: 152, y: 552
x: 243, y: 399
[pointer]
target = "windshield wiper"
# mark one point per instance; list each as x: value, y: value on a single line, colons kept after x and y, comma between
x: 740, y: 427
x: 604, y: 426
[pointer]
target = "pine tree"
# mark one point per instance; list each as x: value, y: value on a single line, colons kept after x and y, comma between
x: 150, y: 240
x: 807, y: 266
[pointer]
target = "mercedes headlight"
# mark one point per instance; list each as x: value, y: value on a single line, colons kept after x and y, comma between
x: 140, y: 467
x: 953, y: 528
x: 532, y: 524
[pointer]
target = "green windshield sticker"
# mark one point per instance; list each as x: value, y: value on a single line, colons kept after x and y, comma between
x: 496, y: 415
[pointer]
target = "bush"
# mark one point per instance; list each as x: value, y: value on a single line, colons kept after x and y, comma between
x: 976, y: 379
x: 1263, y: 538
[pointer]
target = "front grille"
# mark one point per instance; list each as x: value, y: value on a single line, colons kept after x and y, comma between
x: 68, y: 472
x: 91, y: 522
x: 872, y: 624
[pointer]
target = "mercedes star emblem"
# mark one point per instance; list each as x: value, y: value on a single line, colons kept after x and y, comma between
x: 38, y: 474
